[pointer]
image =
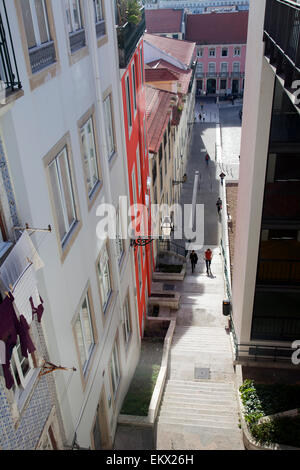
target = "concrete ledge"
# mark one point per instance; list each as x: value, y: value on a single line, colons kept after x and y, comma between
x: 171, y: 302
x: 158, y: 276
x: 249, y: 441
x: 149, y: 420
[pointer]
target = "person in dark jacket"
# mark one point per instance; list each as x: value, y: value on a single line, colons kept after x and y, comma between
x: 194, y: 260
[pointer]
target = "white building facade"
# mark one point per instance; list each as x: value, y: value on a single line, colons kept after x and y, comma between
x: 63, y: 143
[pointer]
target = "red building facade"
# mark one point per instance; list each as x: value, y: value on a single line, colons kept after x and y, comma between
x: 134, y: 106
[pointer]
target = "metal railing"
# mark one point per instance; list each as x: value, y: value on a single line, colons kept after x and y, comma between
x: 260, y: 352
x: 275, y: 328
x: 9, y: 73
x: 100, y: 28
x: 282, y: 38
x: 77, y: 40
x: 170, y: 245
x: 42, y: 56
x: 128, y: 36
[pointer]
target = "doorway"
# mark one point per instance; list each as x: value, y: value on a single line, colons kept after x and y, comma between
x: 235, y: 87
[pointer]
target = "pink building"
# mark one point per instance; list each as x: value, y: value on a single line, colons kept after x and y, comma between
x: 221, y: 51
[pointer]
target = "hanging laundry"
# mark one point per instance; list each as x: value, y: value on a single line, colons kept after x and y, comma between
x: 27, y: 345
x: 17, y: 261
x: 9, y: 330
x: 24, y: 289
x: 37, y: 310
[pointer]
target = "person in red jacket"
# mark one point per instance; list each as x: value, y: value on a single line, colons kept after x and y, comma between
x: 208, y: 258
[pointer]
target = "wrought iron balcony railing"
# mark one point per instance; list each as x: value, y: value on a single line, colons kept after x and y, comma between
x: 128, y: 36
x: 100, y: 28
x: 77, y: 40
x: 282, y: 38
x: 278, y: 272
x: 9, y: 73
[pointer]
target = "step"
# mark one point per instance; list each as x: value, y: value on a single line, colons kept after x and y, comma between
x: 194, y: 393
x: 195, y: 418
x: 201, y: 400
x: 202, y: 384
x: 203, y: 411
x: 201, y: 408
x: 199, y: 424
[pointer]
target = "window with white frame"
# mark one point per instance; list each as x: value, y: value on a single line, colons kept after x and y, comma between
x: 74, y: 16
x: 140, y: 269
x: 104, y: 277
x: 63, y: 194
x: 119, y: 238
x: 138, y: 163
x: 35, y: 17
x: 212, y: 52
x: 84, y: 333
x: 98, y: 11
x: 115, y: 370
x: 224, y: 52
x: 200, y: 52
x: 237, y: 51
x: 109, y: 126
x: 89, y: 156
x: 128, y: 103
x: 22, y: 369
x: 224, y: 67
x: 212, y: 68
x: 127, y: 321
x: 133, y: 182
x: 236, y: 67
x: 134, y: 87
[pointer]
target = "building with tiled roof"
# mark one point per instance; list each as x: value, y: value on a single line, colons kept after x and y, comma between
x: 166, y: 22
x: 179, y: 53
x: 182, y: 77
x: 217, y: 28
x: 158, y: 112
x: 221, y: 40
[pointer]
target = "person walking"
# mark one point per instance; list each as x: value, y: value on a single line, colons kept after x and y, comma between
x: 219, y: 204
x: 200, y: 117
x: 207, y: 159
x: 194, y: 260
x: 222, y: 176
x: 208, y: 257
x: 203, y: 117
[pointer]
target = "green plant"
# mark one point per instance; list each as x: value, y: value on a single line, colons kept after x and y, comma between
x: 129, y: 11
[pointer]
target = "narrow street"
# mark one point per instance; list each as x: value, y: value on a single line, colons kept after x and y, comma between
x: 199, y: 407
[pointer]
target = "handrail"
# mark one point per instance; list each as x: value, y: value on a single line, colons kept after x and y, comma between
x: 9, y: 65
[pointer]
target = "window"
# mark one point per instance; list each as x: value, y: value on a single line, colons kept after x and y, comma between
x: 237, y: 51
x: 133, y: 183
x: 224, y: 68
x: 212, y: 52
x: 140, y: 270
x: 22, y: 369
x: 115, y: 370
x: 134, y: 87
x: 211, y: 69
x: 128, y: 104
x: 38, y: 34
x: 104, y: 277
x: 142, y: 66
x: 109, y: 126
x: 99, y: 18
x: 63, y: 194
x: 74, y: 18
x: 145, y: 137
x: 236, y: 67
x: 224, y: 52
x: 84, y: 333
x: 75, y: 25
x: 119, y: 238
x: 127, y: 321
x: 200, y: 52
x: 138, y: 161
x: 89, y: 156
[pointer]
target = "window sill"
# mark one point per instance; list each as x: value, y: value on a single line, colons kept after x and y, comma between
x: 112, y: 159
x: 102, y: 40
x: 77, y: 55
x: 40, y: 78
x: 92, y: 198
x: 26, y: 395
x: 65, y: 248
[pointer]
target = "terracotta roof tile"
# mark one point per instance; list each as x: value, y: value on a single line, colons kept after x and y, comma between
x: 160, y: 75
x: 181, y: 50
x: 218, y: 28
x: 183, y: 76
x: 164, y: 21
x: 158, y: 104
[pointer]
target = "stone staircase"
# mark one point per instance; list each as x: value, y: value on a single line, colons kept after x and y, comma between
x: 208, y: 410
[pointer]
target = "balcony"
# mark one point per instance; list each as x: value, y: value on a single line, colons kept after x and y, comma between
x: 9, y: 74
x: 42, y: 56
x: 129, y: 35
x: 278, y: 271
x: 282, y: 39
x: 77, y: 40
x: 100, y: 28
